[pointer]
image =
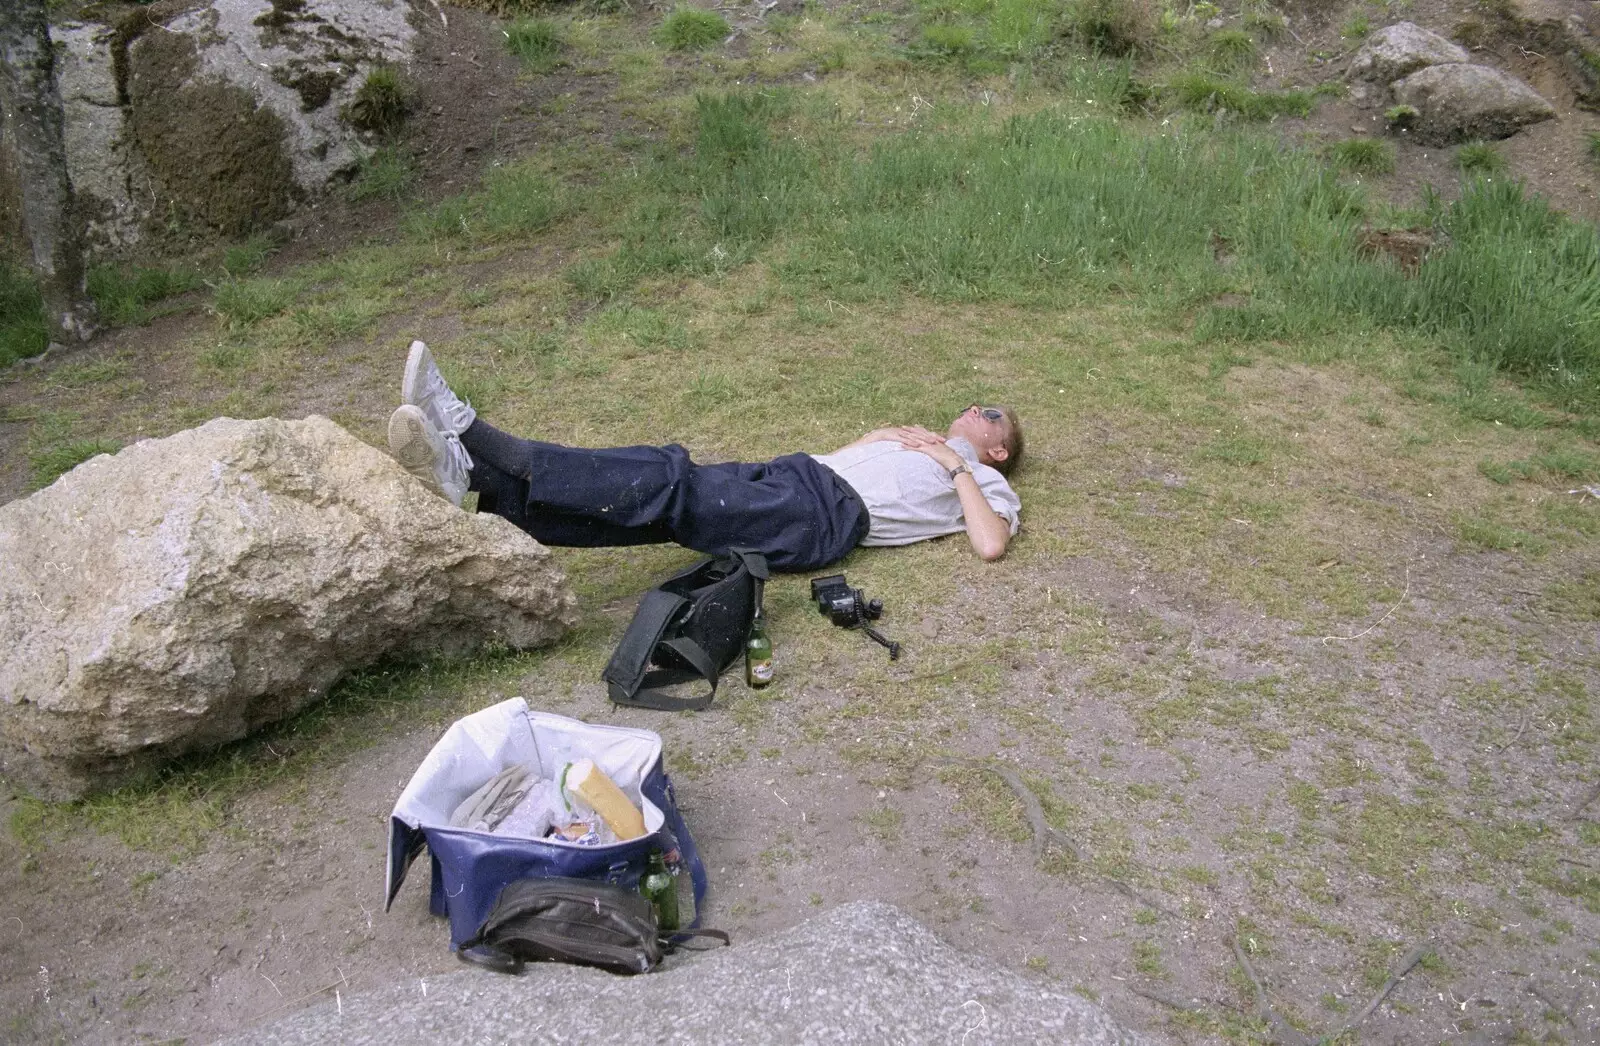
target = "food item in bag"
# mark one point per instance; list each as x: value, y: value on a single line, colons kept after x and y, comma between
x: 601, y: 794
x: 580, y: 833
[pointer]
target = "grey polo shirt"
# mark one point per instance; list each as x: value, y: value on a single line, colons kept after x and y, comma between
x: 911, y: 497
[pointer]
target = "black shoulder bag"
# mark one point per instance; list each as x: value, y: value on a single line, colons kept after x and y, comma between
x: 691, y: 626
x: 573, y: 920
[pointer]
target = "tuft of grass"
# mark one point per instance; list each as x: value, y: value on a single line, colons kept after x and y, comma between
x: 124, y: 294
x: 1594, y: 146
x: 23, y: 331
x: 242, y: 259
x: 1493, y: 536
x: 513, y: 201
x: 382, y: 102
x: 733, y: 127
x: 947, y: 41
x: 536, y: 41
x: 1231, y: 50
x: 1401, y: 117
x: 1265, y: 23
x: 387, y: 174
x: 1559, y: 463
x: 47, y: 464
x: 1479, y: 158
x: 1362, y: 156
x: 245, y: 303
x: 1119, y: 28
x: 692, y: 29
x: 1357, y: 27
x: 1207, y: 93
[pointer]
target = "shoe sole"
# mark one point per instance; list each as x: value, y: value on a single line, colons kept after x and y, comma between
x: 408, y: 443
x: 416, y: 361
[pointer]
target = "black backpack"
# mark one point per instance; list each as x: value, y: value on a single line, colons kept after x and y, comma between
x: 571, y: 920
x: 691, y: 626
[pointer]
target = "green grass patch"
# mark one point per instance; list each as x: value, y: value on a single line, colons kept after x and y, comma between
x: 514, y: 201
x: 124, y: 294
x: 1491, y: 535
x: 692, y: 29
x: 386, y: 174
x: 947, y: 41
x: 538, y: 42
x: 49, y: 463
x: 1041, y: 203
x: 1362, y: 156
x: 246, y: 302
x: 1480, y: 158
x: 243, y: 259
x: 1205, y: 92
x: 1594, y: 146
x: 1557, y: 463
x: 23, y: 331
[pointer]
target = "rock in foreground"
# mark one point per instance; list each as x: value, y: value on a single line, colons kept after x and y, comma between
x: 862, y: 973
x: 192, y: 589
x: 1460, y: 102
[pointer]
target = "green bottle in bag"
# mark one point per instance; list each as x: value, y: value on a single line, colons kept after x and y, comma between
x: 660, y: 887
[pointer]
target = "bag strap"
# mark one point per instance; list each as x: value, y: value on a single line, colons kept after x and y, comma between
x: 625, y: 672
x: 477, y: 953
x: 647, y: 696
x: 677, y: 940
x: 753, y: 561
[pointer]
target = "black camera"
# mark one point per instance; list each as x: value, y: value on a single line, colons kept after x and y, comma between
x: 848, y: 608
x: 843, y: 605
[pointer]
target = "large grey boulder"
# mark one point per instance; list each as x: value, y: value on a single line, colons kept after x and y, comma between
x: 862, y: 973
x: 1399, y: 50
x: 189, y: 590
x: 1461, y: 102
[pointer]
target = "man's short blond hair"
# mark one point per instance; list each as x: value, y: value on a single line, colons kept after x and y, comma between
x: 1013, y: 443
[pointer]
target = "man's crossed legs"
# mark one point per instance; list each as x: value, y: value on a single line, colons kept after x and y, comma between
x: 793, y: 509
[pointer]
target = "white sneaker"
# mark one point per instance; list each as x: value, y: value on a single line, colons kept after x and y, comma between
x: 437, y: 458
x: 423, y: 386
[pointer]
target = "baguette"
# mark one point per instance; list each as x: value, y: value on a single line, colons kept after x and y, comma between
x: 590, y: 783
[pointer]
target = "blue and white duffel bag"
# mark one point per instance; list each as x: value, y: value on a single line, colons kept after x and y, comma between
x: 470, y: 868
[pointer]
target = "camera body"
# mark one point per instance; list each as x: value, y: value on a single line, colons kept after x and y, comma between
x: 845, y: 606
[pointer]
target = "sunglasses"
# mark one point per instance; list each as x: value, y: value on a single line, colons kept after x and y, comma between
x: 990, y: 413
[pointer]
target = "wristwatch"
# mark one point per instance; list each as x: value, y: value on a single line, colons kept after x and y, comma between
x: 959, y: 469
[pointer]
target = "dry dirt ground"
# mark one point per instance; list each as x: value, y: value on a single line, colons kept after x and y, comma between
x: 1327, y: 800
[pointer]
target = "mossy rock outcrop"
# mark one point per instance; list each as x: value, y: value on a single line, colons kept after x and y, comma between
x: 225, y: 113
x: 219, y: 153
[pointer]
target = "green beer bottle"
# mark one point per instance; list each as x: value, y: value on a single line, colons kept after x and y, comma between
x: 758, y: 648
x: 660, y: 887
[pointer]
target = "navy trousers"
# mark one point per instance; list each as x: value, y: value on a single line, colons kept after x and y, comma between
x: 794, y: 510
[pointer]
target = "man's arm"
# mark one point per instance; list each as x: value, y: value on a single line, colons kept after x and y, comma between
x: 986, y: 529
x: 906, y: 435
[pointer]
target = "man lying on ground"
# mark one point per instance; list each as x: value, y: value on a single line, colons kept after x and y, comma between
x: 892, y: 486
